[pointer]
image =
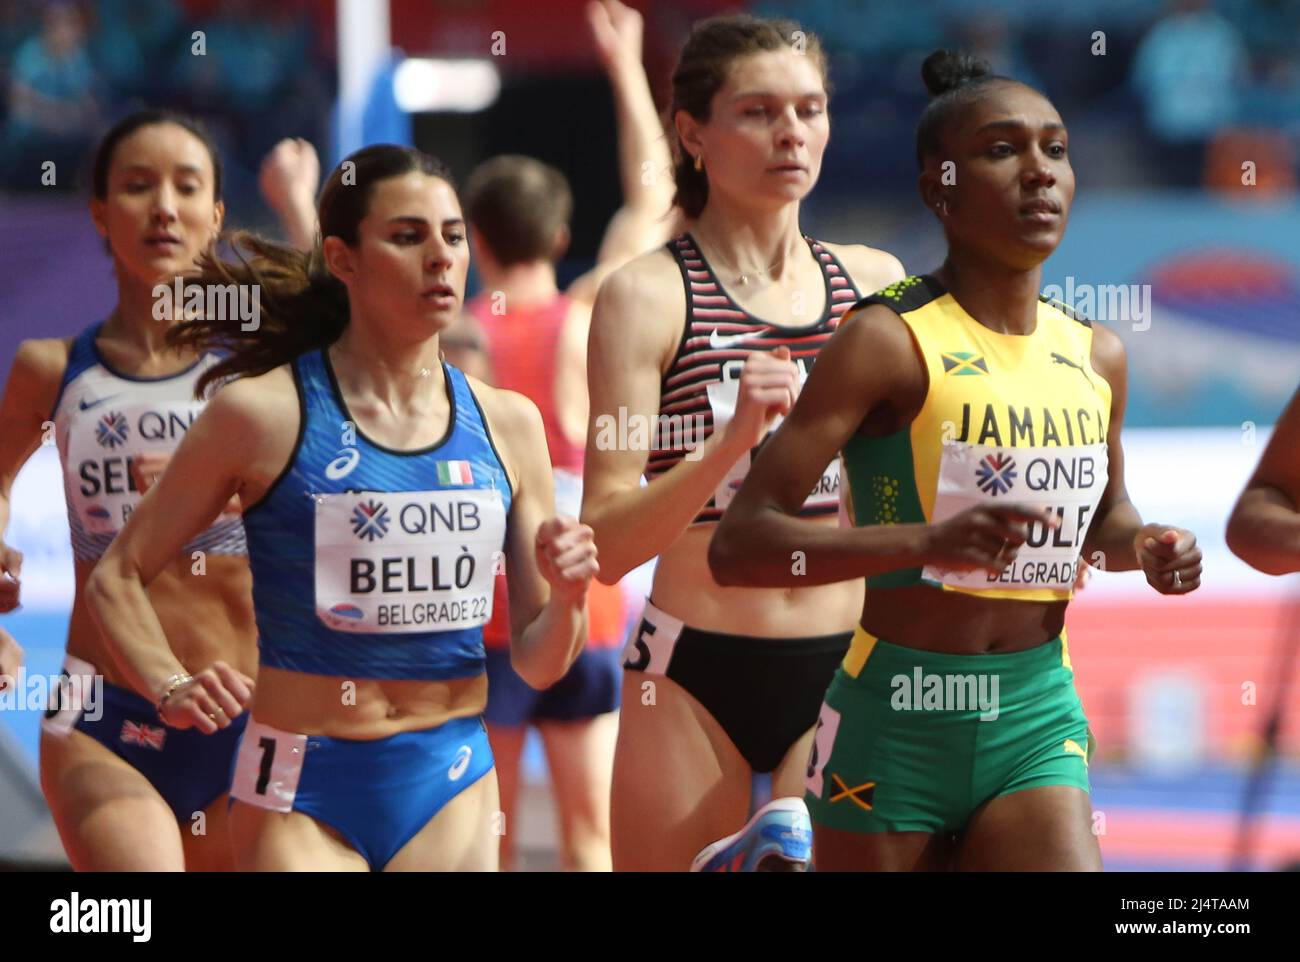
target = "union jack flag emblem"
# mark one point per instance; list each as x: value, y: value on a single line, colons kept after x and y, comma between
x: 147, y: 736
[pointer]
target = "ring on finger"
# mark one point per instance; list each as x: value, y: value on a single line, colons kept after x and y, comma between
x: 1178, y: 580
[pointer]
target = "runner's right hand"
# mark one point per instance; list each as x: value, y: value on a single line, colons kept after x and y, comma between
x: 11, y: 658
x: 983, y: 538
x: 209, y: 700
x: 769, y: 386
x: 11, y: 563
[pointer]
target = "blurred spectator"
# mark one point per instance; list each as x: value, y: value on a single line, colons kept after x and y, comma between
x: 991, y: 38
x: 1272, y: 160
x: 254, y: 82
x: 1189, y: 70
x: 1269, y: 28
x: 19, y: 20
x: 242, y: 63
x: 873, y: 27
x: 52, y: 111
x: 132, y: 39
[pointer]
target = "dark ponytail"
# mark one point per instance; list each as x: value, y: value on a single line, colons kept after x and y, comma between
x: 953, y: 80
x: 702, y: 66
x: 302, y: 305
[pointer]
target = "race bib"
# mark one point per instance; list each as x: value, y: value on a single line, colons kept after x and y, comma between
x: 722, y: 400
x: 408, y: 561
x: 1067, y: 481
x: 103, y: 440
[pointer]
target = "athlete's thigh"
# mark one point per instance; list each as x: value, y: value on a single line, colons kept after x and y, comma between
x: 207, y: 841
x: 580, y: 755
x: 109, y: 816
x: 835, y: 850
x: 463, y: 837
x: 789, y: 777
x: 266, y: 841
x: 507, y: 750
x: 1042, y: 829
x: 679, y: 783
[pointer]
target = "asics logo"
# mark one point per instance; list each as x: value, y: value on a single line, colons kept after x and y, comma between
x: 461, y: 763
x: 720, y: 342
x: 342, y: 466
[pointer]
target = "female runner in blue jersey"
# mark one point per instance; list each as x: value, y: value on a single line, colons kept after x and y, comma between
x: 127, y: 793
x: 382, y: 488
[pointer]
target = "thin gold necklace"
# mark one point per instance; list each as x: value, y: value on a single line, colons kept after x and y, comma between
x: 744, y: 277
x: 421, y: 373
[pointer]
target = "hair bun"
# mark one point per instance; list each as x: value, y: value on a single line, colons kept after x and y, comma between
x: 944, y: 70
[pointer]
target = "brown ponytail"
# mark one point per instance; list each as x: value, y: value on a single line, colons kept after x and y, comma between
x: 303, y: 306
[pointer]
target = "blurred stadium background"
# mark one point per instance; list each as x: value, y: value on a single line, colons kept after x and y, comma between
x: 1184, y: 121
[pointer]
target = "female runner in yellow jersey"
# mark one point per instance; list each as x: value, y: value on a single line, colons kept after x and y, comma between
x: 980, y: 430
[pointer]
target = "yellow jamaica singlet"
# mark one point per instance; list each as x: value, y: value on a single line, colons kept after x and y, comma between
x: 1007, y: 418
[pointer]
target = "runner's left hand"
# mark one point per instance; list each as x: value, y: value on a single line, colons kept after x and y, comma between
x: 566, y: 557
x: 1162, y: 552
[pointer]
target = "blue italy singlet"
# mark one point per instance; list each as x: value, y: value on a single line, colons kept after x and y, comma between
x: 374, y: 563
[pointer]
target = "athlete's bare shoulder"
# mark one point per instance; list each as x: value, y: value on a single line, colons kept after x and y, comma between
x: 42, y: 360
x: 33, y: 384
x: 261, y: 416
x: 642, y: 307
x: 1108, y: 357
x: 515, y: 424
x: 262, y: 406
x: 508, y: 408
x: 870, y: 269
x: 653, y: 279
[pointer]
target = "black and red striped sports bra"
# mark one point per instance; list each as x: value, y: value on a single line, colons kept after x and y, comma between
x: 698, y: 393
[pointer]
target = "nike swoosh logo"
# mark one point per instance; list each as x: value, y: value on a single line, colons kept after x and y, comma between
x: 720, y: 342
x: 92, y: 404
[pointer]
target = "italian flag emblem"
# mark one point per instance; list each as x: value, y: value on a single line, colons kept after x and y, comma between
x: 454, y: 472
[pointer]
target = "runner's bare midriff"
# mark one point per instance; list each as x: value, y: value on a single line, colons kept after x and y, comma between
x: 359, y: 708
x: 206, y: 617
x: 959, y: 624
x: 685, y: 589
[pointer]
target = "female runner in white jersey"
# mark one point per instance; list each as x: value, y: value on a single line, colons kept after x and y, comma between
x: 379, y: 488
x: 126, y: 792
x: 719, y: 682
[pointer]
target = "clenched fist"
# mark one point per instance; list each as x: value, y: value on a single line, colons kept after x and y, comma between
x: 566, y: 557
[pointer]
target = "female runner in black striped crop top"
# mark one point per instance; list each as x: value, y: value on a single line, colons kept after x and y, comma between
x: 696, y: 352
